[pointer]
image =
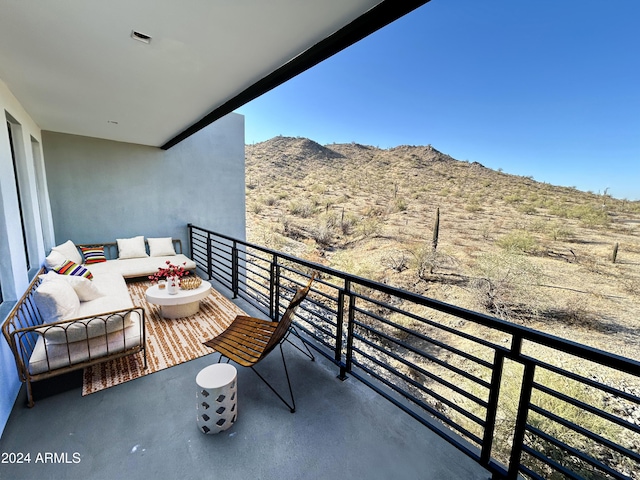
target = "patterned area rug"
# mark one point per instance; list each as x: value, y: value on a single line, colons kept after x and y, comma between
x: 169, y: 341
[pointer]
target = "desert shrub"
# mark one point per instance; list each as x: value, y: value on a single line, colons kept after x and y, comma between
x: 361, y: 267
x: 369, y: 227
x: 396, y: 260
x: 589, y: 215
x: 347, y: 222
x: 513, y: 198
x: 505, y: 285
x: 527, y: 209
x: 400, y: 204
x: 373, y: 211
x: 538, y: 225
x: 286, y: 224
x: 269, y: 200
x: 559, y: 231
x: 558, y: 210
x: 323, y: 234
x: 301, y: 209
x: 426, y: 261
x: 473, y: 206
x: 486, y: 230
x: 331, y: 219
x: 256, y: 208
x: 319, y: 188
x: 518, y: 241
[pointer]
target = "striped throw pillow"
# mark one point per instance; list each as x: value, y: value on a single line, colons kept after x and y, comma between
x: 93, y: 255
x: 71, y: 268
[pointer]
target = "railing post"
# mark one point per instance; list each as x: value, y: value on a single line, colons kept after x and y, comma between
x: 521, y: 420
x: 234, y: 269
x: 340, y: 329
x: 209, y: 256
x: 272, y: 273
x: 276, y: 294
x: 350, y: 324
x: 492, y: 407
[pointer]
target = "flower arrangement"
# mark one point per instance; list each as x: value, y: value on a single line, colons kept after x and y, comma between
x: 171, y: 272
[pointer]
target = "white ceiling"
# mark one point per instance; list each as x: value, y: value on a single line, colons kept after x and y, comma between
x: 74, y: 67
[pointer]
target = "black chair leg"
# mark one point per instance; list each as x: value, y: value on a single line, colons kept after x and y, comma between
x: 291, y: 406
x: 308, y: 352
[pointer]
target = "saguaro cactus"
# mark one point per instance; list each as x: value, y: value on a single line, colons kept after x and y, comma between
x: 434, y: 242
x: 436, y: 230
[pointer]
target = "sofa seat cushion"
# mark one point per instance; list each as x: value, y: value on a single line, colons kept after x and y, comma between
x: 48, y: 356
x: 141, y: 267
x: 115, y: 295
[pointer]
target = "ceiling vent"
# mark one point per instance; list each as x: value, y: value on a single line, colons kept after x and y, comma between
x: 141, y: 37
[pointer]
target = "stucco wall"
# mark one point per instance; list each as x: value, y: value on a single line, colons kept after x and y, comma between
x: 101, y: 190
x: 15, y: 276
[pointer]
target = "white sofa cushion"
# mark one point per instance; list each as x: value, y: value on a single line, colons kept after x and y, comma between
x: 131, y: 247
x: 160, y: 247
x: 140, y: 267
x: 56, y: 301
x: 48, y: 356
x: 116, y: 295
x: 84, y: 288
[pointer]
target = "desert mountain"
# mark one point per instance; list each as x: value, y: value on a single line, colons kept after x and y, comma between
x: 508, y: 245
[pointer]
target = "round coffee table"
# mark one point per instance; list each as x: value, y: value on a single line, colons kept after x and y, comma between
x: 182, y: 304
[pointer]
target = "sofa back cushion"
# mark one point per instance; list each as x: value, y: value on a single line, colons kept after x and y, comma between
x: 160, y: 247
x: 84, y: 288
x: 93, y: 255
x: 131, y: 247
x: 69, y: 251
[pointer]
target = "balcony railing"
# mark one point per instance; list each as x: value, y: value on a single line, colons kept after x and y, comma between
x: 518, y: 401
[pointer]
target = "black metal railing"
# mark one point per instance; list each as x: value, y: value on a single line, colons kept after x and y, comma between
x: 520, y: 402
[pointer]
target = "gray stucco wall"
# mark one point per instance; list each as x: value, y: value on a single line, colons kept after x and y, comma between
x: 101, y: 190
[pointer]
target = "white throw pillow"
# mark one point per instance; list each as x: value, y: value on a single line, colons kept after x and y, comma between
x: 69, y: 251
x: 160, y: 247
x: 56, y: 301
x: 84, y: 288
x: 54, y: 260
x: 131, y: 247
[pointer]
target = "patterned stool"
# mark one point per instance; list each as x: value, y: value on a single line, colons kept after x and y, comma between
x: 216, y: 398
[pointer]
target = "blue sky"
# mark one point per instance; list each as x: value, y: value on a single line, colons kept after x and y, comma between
x: 547, y: 88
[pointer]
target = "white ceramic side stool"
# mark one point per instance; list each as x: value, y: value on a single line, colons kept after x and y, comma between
x: 216, y: 398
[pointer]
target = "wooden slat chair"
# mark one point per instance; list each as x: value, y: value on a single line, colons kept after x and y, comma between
x: 248, y: 340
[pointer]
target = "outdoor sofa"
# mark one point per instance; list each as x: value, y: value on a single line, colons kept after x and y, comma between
x: 78, y: 312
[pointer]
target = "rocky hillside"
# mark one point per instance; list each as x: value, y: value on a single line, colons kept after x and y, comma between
x: 508, y: 245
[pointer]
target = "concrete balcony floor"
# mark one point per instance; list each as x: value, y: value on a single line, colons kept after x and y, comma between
x: 146, y: 429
